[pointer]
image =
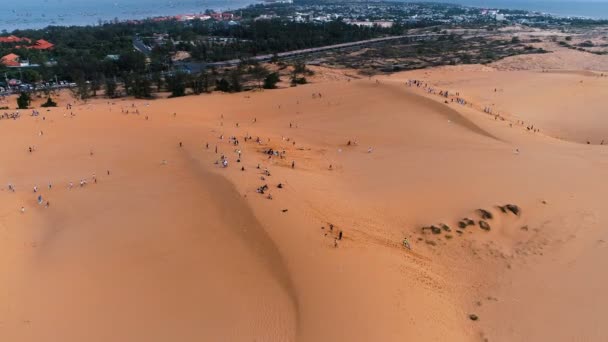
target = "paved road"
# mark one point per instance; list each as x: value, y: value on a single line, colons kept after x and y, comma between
x: 197, y: 66
x: 139, y: 45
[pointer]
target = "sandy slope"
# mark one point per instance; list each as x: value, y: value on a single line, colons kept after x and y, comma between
x: 563, y: 104
x: 189, y: 250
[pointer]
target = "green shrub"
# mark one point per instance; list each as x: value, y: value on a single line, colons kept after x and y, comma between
x: 270, y: 82
x: 49, y: 103
x: 23, y: 101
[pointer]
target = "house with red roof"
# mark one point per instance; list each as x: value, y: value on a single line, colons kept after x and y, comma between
x: 10, y: 60
x: 41, y: 44
x: 14, y: 39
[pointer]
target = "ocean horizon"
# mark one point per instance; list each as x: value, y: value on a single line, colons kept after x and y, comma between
x: 561, y: 8
x: 35, y: 14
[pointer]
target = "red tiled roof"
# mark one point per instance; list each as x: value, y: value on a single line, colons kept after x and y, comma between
x: 14, y: 39
x: 10, y: 60
x: 42, y: 44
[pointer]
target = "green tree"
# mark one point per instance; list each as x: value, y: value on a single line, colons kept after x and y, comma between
x: 141, y: 87
x: 96, y: 82
x: 132, y: 61
x: 259, y: 73
x: 82, y: 91
x: 176, y: 84
x: 110, y: 87
x: 49, y: 103
x: 236, y: 77
x: 270, y: 82
x: 24, y: 100
x: 222, y: 85
x: 157, y: 78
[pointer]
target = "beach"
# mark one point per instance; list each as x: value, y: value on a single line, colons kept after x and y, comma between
x: 334, y: 211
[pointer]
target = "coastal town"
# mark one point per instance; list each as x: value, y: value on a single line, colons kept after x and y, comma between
x: 191, y: 43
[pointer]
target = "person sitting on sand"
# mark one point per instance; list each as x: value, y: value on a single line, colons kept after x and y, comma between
x: 406, y: 244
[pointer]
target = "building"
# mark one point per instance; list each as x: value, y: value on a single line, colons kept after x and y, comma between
x: 14, y: 39
x: 379, y: 23
x: 10, y: 60
x: 14, y: 61
x: 41, y: 44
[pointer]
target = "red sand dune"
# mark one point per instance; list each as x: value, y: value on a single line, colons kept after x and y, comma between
x: 186, y: 250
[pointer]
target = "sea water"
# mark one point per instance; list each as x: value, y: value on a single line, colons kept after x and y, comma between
x: 594, y: 9
x: 22, y: 14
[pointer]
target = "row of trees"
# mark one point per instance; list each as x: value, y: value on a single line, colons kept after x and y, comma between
x: 88, y: 52
x: 245, y: 75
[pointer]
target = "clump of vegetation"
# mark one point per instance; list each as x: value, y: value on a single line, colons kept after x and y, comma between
x: 222, y: 85
x: 298, y: 80
x: 513, y: 208
x: 297, y: 75
x: 484, y: 225
x: 270, y: 82
x: 49, y: 103
x: 110, y: 88
x: 433, y: 229
x: 465, y: 222
x: 176, y: 84
x: 24, y: 100
x: 486, y: 215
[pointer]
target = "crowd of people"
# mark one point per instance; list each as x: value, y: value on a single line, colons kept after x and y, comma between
x: 455, y: 97
x: 11, y: 115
